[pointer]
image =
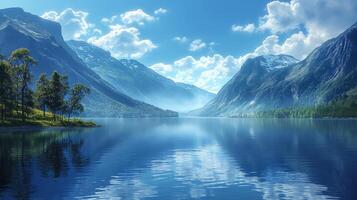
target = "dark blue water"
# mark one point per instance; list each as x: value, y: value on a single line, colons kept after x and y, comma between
x: 182, y: 159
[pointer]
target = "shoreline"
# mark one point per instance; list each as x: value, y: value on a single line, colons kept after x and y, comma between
x: 37, y: 128
x: 91, y: 124
x: 37, y: 124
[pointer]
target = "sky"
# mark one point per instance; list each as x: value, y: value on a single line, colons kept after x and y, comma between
x: 200, y: 42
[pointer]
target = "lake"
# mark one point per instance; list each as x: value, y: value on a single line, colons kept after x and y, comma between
x: 182, y: 158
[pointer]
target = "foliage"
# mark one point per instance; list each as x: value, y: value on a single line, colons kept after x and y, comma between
x: 21, y: 62
x: 346, y: 107
x: 42, y: 93
x: 6, y: 89
x: 57, y: 91
x: 36, y: 118
x: 18, y: 103
x: 73, y: 105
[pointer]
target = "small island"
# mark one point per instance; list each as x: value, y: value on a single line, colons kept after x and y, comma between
x: 52, y: 102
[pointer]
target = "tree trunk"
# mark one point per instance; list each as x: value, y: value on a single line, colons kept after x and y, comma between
x: 23, y: 104
x: 2, y: 110
x: 69, y: 117
x: 23, y: 88
x: 2, y: 103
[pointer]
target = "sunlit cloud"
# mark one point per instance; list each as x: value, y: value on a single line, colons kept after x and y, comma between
x: 136, y: 16
x: 74, y: 22
x: 162, y: 68
x: 124, y: 42
x: 247, y: 28
x: 307, y: 27
x: 207, y: 72
x: 197, y: 45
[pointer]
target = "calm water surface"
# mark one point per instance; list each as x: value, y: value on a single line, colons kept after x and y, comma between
x: 182, y: 159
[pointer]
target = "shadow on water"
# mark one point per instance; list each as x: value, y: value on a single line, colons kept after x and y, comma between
x: 52, y: 151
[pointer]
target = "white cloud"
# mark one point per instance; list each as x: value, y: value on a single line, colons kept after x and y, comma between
x: 212, y: 72
x: 182, y: 39
x: 329, y: 16
x: 74, y: 23
x: 308, y: 24
x: 160, y: 11
x: 247, y: 28
x: 162, y: 68
x: 197, y: 45
x: 298, y: 45
x: 311, y: 21
x: 268, y: 45
x: 207, y: 72
x: 306, y: 28
x: 133, y: 17
x: 136, y: 16
x: 110, y: 20
x: 124, y: 42
x: 281, y: 16
x: 296, y: 27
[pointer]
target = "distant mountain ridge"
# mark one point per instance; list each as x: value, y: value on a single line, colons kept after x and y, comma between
x: 140, y: 82
x: 19, y: 29
x: 328, y: 73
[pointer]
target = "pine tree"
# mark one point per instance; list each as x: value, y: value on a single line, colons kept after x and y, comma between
x: 74, y: 105
x: 6, y: 89
x: 42, y: 93
x: 21, y: 60
x: 28, y: 102
x: 58, y: 88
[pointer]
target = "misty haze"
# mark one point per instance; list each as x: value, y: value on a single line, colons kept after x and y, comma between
x: 178, y: 99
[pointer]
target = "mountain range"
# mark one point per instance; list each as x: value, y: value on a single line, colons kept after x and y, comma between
x: 273, y: 82
x: 127, y: 88
x: 19, y: 29
x: 140, y: 82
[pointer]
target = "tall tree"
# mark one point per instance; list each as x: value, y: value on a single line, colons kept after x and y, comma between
x: 6, y: 89
x: 42, y: 93
x: 74, y: 103
x: 28, y: 102
x: 58, y: 88
x: 22, y: 61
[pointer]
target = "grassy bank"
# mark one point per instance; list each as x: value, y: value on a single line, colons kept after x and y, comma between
x: 36, y: 118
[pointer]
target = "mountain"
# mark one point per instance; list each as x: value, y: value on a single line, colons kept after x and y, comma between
x: 140, y: 82
x: 19, y: 29
x: 327, y: 74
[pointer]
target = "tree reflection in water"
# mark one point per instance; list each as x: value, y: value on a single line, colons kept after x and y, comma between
x: 183, y: 158
x: 54, y: 151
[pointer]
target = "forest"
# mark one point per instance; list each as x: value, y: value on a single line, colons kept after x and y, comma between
x: 342, y: 107
x: 49, y: 101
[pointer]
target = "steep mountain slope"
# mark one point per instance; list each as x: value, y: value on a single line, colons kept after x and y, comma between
x: 43, y: 38
x: 241, y: 92
x: 327, y: 74
x: 140, y: 82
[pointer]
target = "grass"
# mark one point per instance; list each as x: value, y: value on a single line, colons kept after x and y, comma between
x: 36, y: 118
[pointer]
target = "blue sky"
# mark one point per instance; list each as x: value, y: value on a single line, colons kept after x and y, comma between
x: 202, y: 42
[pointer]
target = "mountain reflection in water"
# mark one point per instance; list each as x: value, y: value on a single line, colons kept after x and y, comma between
x: 201, y: 158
